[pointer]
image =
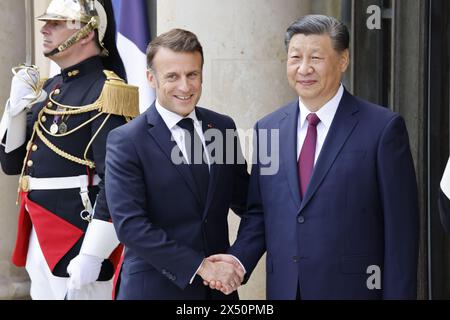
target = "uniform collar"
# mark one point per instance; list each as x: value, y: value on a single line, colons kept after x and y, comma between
x: 90, y: 65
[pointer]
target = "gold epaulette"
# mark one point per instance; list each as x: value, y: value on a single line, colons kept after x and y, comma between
x: 117, y: 97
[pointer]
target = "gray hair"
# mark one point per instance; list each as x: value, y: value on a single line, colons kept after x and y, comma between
x: 316, y: 24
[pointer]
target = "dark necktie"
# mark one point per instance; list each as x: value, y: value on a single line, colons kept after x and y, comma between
x: 195, y: 154
x: 306, y: 159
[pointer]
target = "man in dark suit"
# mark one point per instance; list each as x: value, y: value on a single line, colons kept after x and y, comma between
x: 168, y: 198
x: 339, y: 219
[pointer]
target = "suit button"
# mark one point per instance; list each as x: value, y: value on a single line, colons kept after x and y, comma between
x: 34, y: 147
x: 295, y: 259
x: 30, y: 163
x: 300, y: 219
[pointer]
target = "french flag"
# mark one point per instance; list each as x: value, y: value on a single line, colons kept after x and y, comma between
x: 133, y: 36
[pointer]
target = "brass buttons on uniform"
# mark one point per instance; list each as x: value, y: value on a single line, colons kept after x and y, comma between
x: 49, y: 105
x: 57, y: 91
x: 30, y: 163
x: 43, y: 118
x: 33, y: 147
x: 73, y: 73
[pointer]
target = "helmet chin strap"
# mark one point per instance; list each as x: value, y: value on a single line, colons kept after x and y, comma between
x: 80, y: 34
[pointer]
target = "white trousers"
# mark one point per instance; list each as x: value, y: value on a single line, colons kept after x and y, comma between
x: 46, y: 286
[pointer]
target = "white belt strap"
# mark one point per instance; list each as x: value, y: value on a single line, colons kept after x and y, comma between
x: 75, y: 182
x: 81, y: 182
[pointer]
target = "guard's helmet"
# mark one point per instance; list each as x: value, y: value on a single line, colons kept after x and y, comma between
x: 89, y: 13
x: 87, y: 16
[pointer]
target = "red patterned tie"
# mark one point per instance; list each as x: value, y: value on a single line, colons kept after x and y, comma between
x: 306, y: 160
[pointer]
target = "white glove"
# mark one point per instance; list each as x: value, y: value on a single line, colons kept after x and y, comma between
x: 83, y: 269
x: 25, y: 89
x: 25, y: 92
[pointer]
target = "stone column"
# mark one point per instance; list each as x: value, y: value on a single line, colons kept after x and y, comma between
x: 14, y: 283
x: 245, y: 66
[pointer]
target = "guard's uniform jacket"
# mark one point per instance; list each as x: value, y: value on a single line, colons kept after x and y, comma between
x: 67, y: 138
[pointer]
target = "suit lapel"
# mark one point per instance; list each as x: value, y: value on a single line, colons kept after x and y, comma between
x: 342, y: 126
x: 288, y: 149
x: 163, y: 137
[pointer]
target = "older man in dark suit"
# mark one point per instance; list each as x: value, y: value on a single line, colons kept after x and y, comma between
x: 339, y: 219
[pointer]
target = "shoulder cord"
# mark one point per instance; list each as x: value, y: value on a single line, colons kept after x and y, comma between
x: 96, y: 133
x: 62, y: 153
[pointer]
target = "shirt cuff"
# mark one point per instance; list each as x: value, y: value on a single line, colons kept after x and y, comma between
x: 193, y: 277
x: 242, y: 266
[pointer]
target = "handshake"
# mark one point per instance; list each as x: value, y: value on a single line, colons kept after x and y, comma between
x: 222, y: 272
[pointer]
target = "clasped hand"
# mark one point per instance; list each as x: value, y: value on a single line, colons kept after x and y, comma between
x: 222, y: 272
x: 25, y: 89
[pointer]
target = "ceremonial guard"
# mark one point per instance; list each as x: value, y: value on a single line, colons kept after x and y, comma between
x: 54, y: 135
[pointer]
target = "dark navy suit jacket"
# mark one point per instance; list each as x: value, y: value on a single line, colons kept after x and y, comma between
x: 444, y: 210
x: 156, y: 210
x: 360, y: 210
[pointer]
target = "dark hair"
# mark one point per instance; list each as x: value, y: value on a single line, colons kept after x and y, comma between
x: 113, y: 61
x: 177, y: 40
x: 318, y: 25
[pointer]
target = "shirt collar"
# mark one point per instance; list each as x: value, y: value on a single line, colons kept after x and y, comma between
x: 171, y: 118
x: 326, y: 112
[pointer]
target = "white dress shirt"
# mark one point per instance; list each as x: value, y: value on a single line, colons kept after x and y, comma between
x: 178, y: 134
x: 326, y: 115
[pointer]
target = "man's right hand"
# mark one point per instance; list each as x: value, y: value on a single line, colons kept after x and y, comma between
x: 225, y: 276
x: 25, y: 89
